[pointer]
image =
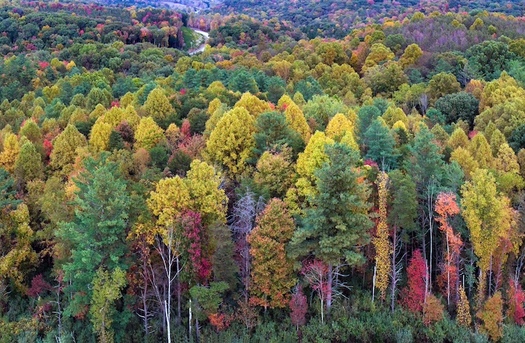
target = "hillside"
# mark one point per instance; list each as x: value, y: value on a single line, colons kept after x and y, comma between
x: 318, y: 172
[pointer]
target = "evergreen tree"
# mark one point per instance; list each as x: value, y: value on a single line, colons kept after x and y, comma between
x: 273, y: 134
x: 96, y: 235
x: 336, y: 225
x: 366, y: 116
x: 380, y: 145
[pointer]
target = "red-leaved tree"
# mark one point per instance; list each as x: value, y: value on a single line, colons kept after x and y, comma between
x: 299, y: 307
x: 413, y: 295
x: 199, y: 266
x: 516, y: 302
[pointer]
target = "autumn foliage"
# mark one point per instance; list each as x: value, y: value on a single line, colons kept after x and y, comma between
x: 271, y: 268
x: 381, y: 240
x: 298, y: 308
x: 463, y: 317
x: 414, y: 294
x: 357, y: 165
x: 446, y: 207
x: 491, y: 316
x: 516, y: 302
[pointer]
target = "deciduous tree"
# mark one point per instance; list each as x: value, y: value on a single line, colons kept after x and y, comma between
x: 106, y: 290
x: 272, y: 270
x: 463, y: 317
x: 381, y: 239
x: 148, y: 133
x: 488, y: 216
x: 158, y: 106
x: 414, y: 295
x: 64, y: 150
x: 231, y: 143
x: 491, y: 316
x: 447, y: 207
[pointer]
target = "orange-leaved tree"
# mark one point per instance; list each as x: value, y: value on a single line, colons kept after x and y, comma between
x: 447, y: 207
x: 272, y: 270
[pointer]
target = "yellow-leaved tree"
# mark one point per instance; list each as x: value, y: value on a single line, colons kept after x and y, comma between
x: 295, y: 118
x: 231, y: 142
x: 171, y: 201
x: 338, y: 126
x: 99, y: 135
x: 157, y: 105
x: 148, y: 133
x: 480, y: 149
x: 463, y: 317
x: 381, y: 239
x: 10, y: 153
x: 489, y: 218
x: 308, y: 162
x: 64, y: 150
x: 252, y: 104
x: 272, y: 269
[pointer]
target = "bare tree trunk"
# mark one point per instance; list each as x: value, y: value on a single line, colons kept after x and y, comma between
x: 448, y: 271
x: 481, y: 289
x: 330, y: 283
x: 321, y: 300
x: 189, y: 321
x: 490, y: 278
x: 243, y: 219
x: 374, y: 283
x: 179, y: 300
x: 396, y: 269
x: 167, y: 303
x: 145, y: 310
x: 59, y: 310
x: 430, y: 209
x: 197, y: 329
x: 166, y: 249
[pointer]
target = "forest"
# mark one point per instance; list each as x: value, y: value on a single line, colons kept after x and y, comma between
x: 348, y: 173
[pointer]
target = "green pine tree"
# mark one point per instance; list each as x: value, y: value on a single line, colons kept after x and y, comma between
x: 96, y: 235
x: 380, y: 145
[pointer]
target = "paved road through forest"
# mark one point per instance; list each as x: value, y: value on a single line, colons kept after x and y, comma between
x: 203, y: 45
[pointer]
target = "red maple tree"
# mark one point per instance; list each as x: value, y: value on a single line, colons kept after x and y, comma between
x: 413, y: 295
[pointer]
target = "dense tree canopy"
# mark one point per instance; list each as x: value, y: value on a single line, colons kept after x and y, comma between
x: 317, y: 171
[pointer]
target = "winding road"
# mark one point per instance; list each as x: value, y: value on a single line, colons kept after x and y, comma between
x: 203, y: 45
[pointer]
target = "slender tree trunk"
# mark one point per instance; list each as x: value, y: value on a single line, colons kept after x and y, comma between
x: 448, y: 271
x: 430, y: 205
x: 197, y: 330
x: 189, y: 322
x: 330, y: 282
x: 374, y: 283
x: 426, y: 267
x: 145, y: 307
x: 168, y: 327
x: 59, y: 311
x: 167, y: 303
x: 179, y: 314
x: 393, y: 284
x: 321, y: 298
x: 396, y: 268
x: 490, y: 278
